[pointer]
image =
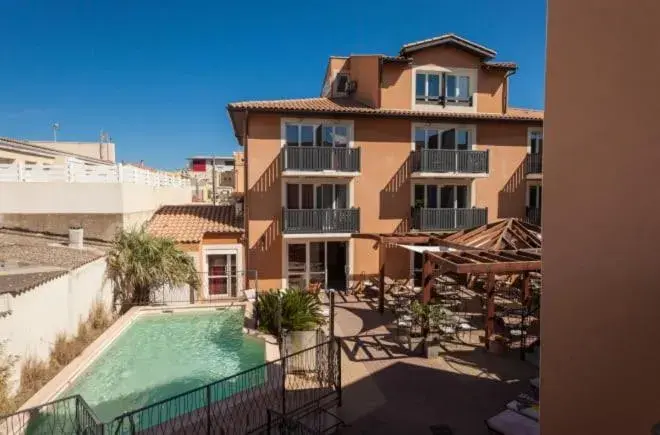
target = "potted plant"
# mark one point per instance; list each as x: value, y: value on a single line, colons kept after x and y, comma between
x: 75, y: 235
x: 294, y: 311
x: 497, y: 344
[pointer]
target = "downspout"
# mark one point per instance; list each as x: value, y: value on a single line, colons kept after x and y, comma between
x: 506, y: 89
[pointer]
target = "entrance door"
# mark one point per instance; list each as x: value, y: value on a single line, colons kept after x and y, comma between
x: 222, y: 274
x: 337, y: 262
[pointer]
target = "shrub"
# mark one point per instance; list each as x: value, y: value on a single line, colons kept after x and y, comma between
x: 7, y: 363
x: 300, y: 311
x: 99, y: 317
x: 34, y: 375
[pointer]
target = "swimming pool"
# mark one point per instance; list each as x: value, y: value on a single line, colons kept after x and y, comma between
x: 161, y: 355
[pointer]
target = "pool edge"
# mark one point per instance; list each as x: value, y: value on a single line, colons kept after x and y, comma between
x: 70, y: 373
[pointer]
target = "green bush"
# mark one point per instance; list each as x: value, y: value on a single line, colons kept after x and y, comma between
x: 300, y: 311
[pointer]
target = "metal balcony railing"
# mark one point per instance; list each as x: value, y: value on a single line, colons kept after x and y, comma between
x: 311, y: 221
x: 320, y: 159
x: 448, y: 219
x: 454, y: 161
x: 533, y: 215
x: 534, y: 164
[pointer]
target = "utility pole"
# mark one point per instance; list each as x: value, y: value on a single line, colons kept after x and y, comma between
x: 213, y: 172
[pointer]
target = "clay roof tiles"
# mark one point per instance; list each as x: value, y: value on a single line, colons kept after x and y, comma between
x: 189, y: 223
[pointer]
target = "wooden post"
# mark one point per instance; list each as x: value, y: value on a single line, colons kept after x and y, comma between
x: 427, y: 279
x: 381, y: 278
x: 490, y: 308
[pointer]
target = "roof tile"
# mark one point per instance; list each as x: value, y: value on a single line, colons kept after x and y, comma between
x: 189, y: 223
x: 351, y: 106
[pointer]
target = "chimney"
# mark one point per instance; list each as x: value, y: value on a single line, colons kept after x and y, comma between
x: 76, y: 236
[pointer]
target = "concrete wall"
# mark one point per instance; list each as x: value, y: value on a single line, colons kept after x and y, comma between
x: 57, y: 306
x: 382, y: 191
x: 600, y: 357
x: 95, y: 150
x: 101, y: 208
x: 8, y: 157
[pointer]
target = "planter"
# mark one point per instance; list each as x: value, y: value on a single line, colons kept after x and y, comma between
x: 76, y: 238
x: 297, y: 341
x: 497, y: 345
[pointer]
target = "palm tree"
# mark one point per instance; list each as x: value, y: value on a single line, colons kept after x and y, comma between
x: 140, y: 263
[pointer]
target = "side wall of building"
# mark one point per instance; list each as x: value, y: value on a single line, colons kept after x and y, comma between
x: 57, y: 306
x: 600, y: 357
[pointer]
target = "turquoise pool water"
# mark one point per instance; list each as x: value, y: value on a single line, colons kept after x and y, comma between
x: 162, y: 355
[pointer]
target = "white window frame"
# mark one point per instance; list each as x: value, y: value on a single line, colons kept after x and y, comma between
x: 316, y: 184
x: 426, y: 85
x: 470, y: 197
x: 307, y: 242
x: 313, y: 122
x: 222, y: 249
x: 471, y: 73
x: 531, y: 131
x: 470, y: 128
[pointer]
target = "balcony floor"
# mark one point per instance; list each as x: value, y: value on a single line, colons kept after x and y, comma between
x: 463, y: 175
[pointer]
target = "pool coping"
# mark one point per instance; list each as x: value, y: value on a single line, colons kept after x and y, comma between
x: 68, y: 374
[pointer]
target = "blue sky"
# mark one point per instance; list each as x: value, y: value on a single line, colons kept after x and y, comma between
x: 157, y: 75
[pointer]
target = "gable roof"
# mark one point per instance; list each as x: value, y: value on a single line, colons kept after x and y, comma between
x: 27, y: 147
x: 188, y: 223
x: 452, y: 39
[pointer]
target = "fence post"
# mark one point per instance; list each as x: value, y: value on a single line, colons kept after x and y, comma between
x: 337, y: 344
x: 284, y: 361
x: 21, y: 171
x: 120, y: 173
x: 208, y: 409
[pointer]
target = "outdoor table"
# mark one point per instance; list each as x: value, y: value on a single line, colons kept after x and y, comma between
x: 510, y: 422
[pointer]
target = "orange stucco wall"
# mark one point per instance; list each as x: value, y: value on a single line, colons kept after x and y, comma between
x: 382, y: 191
x: 503, y: 191
x: 188, y: 247
x: 396, y: 86
x: 221, y: 238
x: 446, y: 56
x: 239, y: 172
x: 490, y: 91
x: 600, y: 358
x: 365, y: 71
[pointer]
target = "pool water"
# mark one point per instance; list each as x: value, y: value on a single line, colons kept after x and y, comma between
x: 162, y: 355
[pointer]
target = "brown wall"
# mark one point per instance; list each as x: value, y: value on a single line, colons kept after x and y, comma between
x: 445, y: 56
x: 600, y: 358
x: 490, y: 91
x: 221, y: 238
x: 365, y: 70
x: 396, y: 86
x: 263, y: 202
x: 382, y: 190
x: 503, y: 191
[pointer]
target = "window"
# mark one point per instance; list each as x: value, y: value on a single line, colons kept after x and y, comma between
x: 536, y: 142
x: 448, y: 196
x: 199, y: 165
x: 433, y: 139
x: 316, y: 196
x: 341, y: 84
x: 222, y: 274
x: 296, y: 259
x: 308, y: 135
x: 427, y: 87
x: 442, y: 88
x: 534, y: 197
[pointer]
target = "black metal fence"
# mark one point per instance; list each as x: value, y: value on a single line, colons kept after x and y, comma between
x: 533, y: 215
x: 447, y: 219
x: 342, y: 220
x: 534, y: 164
x: 320, y: 159
x: 217, y: 285
x: 69, y: 415
x: 454, y: 161
x: 238, y: 404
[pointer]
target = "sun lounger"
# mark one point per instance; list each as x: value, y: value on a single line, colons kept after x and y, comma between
x: 510, y: 422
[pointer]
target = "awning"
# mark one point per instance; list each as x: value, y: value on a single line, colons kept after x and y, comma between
x: 421, y: 249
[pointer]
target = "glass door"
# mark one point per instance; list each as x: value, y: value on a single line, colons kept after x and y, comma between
x: 296, y: 265
x: 221, y: 274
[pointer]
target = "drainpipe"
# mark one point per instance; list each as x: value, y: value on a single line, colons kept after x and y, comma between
x: 506, y: 88
x: 245, y: 206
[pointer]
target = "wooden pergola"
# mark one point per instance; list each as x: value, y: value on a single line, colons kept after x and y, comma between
x: 505, y: 247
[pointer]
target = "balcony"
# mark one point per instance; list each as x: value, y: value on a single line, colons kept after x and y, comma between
x: 321, y: 160
x: 318, y: 221
x: 448, y: 219
x: 459, y: 162
x: 534, y: 164
x: 533, y: 216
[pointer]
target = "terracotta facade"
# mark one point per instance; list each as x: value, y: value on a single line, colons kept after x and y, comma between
x: 383, y: 188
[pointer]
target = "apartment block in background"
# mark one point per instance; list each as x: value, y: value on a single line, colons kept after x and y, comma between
x: 423, y: 140
x: 201, y: 172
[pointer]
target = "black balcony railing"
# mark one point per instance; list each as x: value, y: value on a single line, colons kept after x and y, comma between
x: 533, y: 216
x: 456, y: 161
x: 448, y: 219
x: 320, y: 159
x: 343, y: 220
x: 534, y: 164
